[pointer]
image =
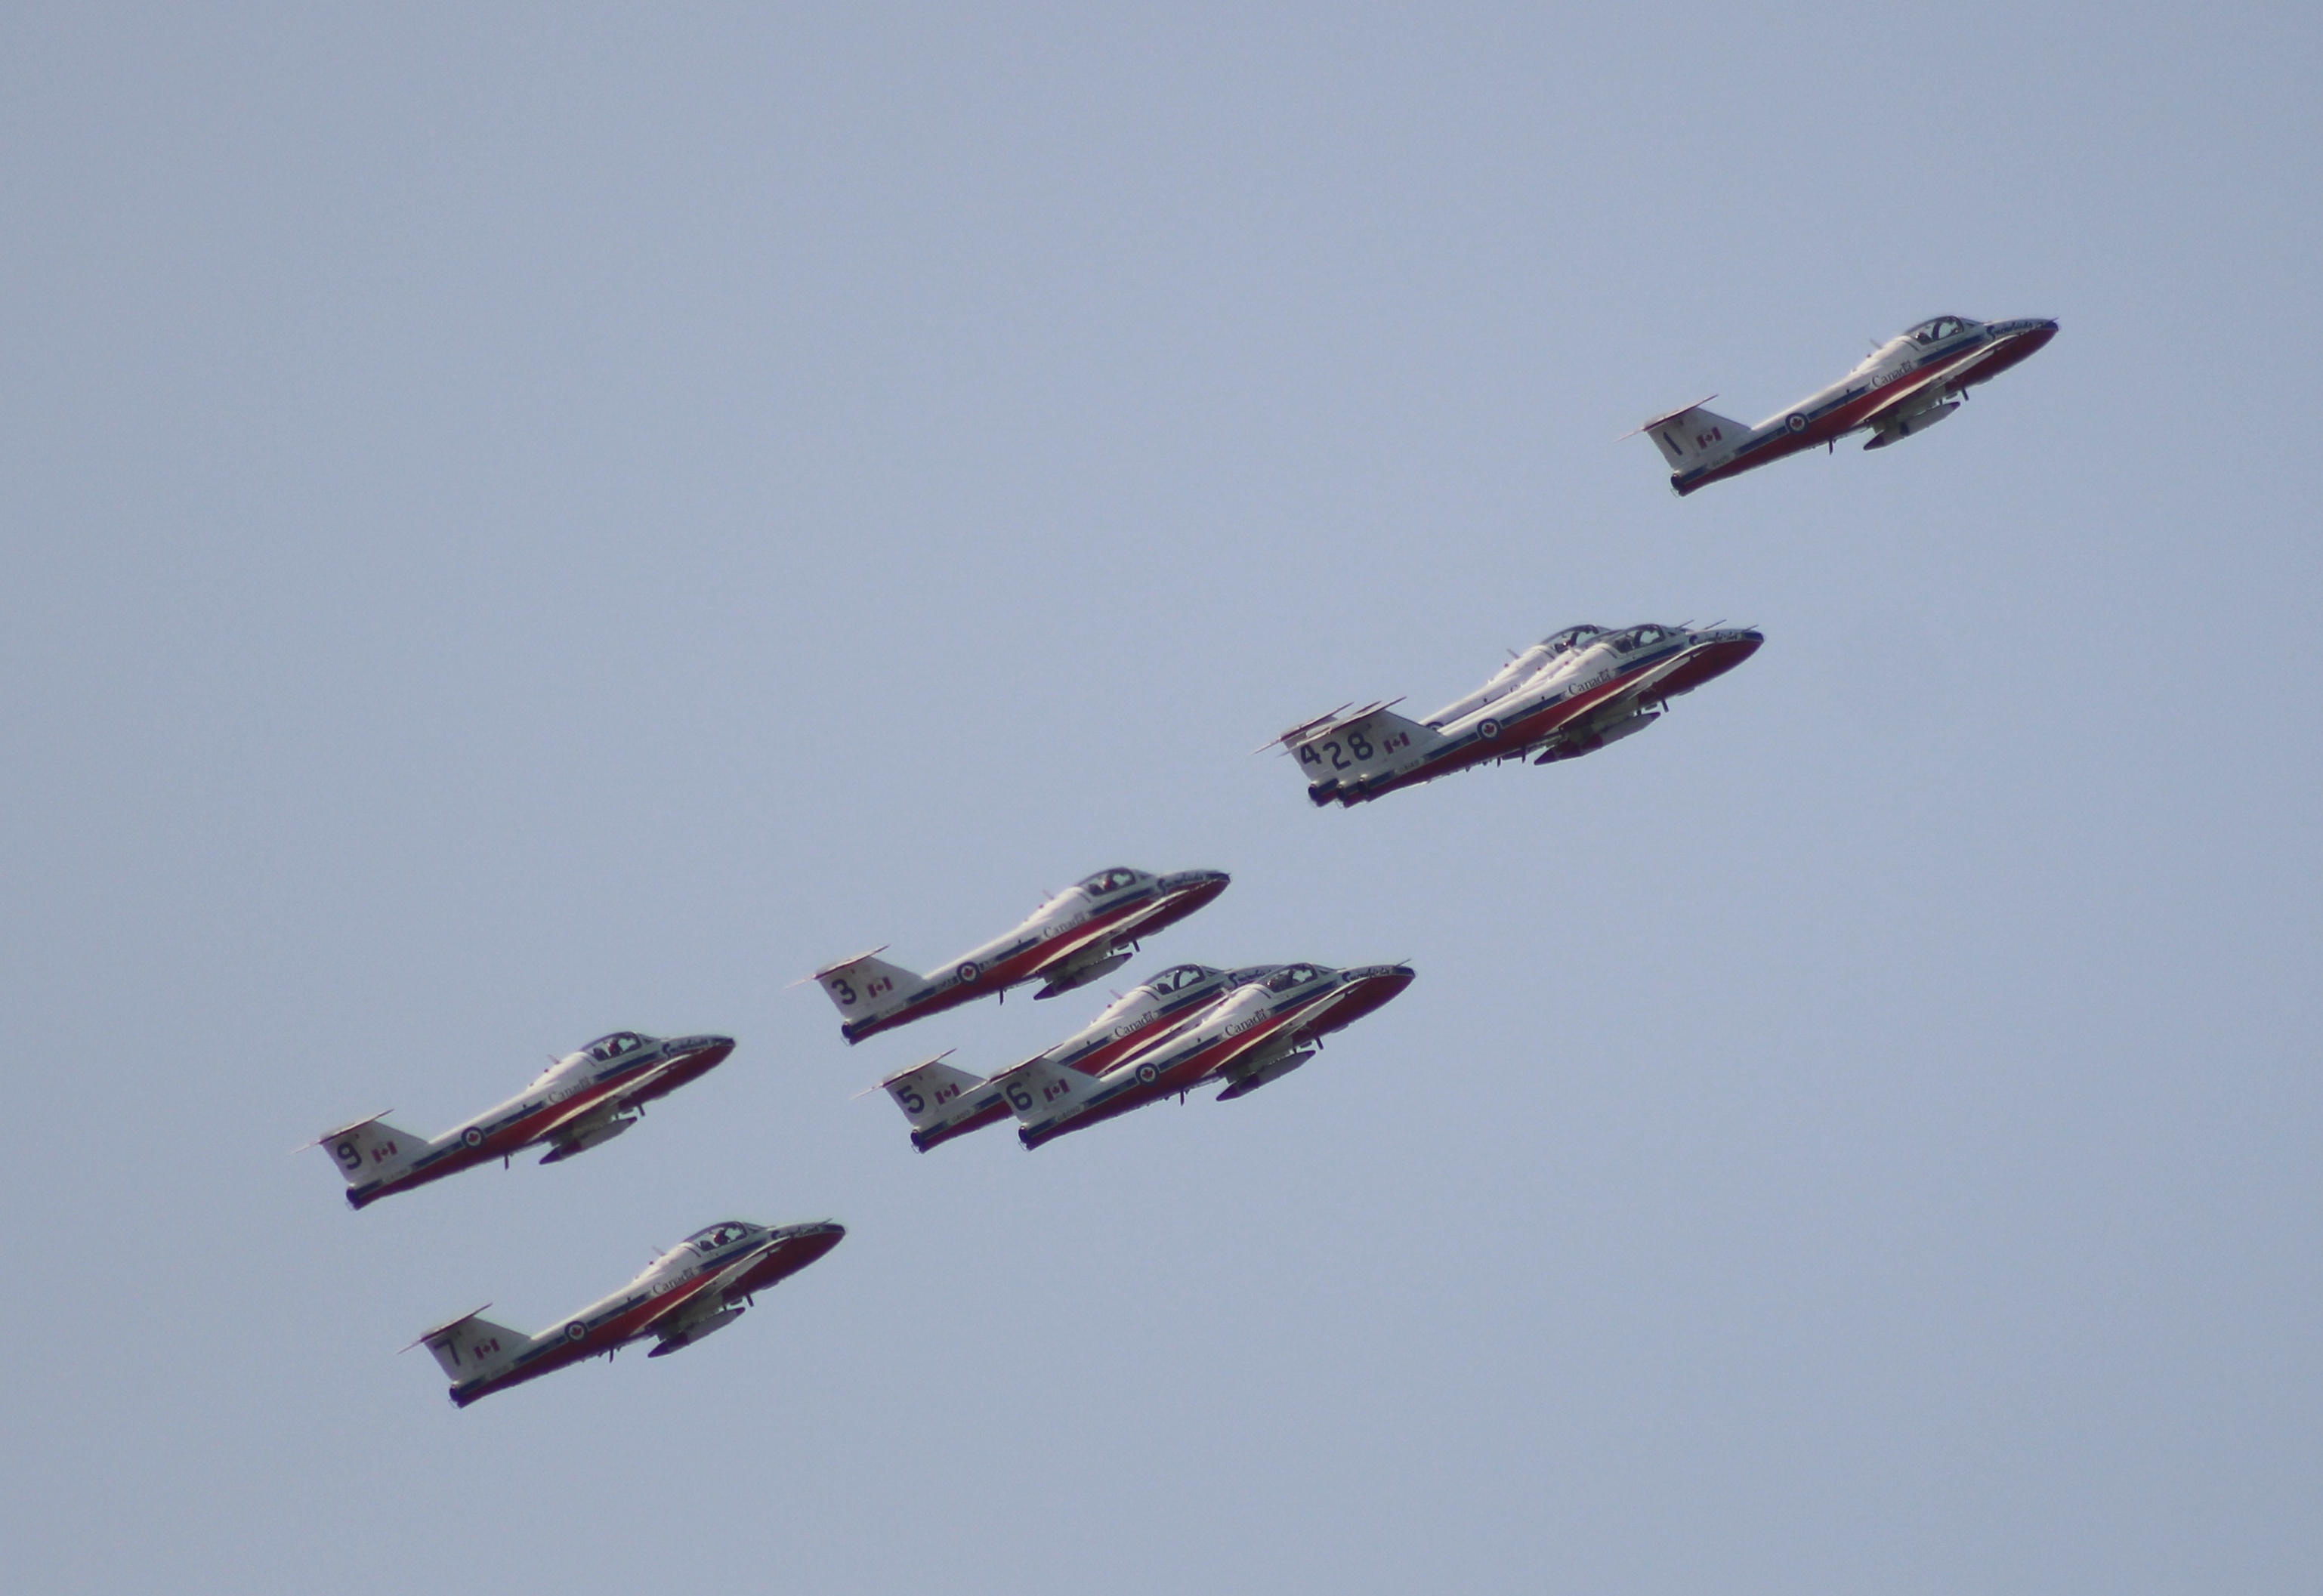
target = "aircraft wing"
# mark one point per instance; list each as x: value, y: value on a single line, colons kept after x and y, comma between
x: 710, y: 1298
x: 1901, y: 396
x: 1283, y: 1038
x: 1075, y: 945
x: 610, y: 1104
x: 1639, y: 687
x: 1067, y: 949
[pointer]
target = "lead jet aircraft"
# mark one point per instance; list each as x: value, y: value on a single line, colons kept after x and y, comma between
x: 1257, y: 1033
x: 694, y: 1289
x: 942, y: 1102
x: 1569, y: 695
x: 1901, y: 390
x: 578, y: 1102
x: 1082, y: 934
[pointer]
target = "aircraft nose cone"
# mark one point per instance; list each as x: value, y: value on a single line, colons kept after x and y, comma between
x: 1198, y: 886
x: 815, y: 1240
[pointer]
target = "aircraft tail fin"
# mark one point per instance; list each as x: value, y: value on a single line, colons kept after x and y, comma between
x: 371, y: 1149
x: 1040, y: 1091
x: 472, y: 1345
x: 931, y: 1093
x: 1341, y: 754
x: 865, y: 987
x: 1694, y: 436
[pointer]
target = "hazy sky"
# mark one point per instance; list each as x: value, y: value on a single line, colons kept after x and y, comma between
x: 525, y: 522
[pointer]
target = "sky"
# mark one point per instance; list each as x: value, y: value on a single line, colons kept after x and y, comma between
x: 521, y: 522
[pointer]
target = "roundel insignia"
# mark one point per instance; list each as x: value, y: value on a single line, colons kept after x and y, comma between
x: 576, y: 1331
x: 1148, y: 1073
x: 968, y: 970
x: 1796, y: 422
x: 1488, y: 729
x: 472, y: 1136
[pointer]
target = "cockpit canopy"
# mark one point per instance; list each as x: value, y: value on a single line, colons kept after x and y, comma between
x: 1177, y: 977
x: 606, y: 1048
x: 1643, y: 636
x: 717, y: 1236
x: 1110, y: 881
x: 1572, y: 637
x: 1936, y: 329
x: 1293, y: 975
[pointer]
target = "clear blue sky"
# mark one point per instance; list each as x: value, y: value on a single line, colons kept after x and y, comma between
x: 525, y: 522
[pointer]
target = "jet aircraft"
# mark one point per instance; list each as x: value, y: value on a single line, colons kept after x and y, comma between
x: 1901, y: 390
x: 580, y: 1101
x: 1257, y: 1033
x: 942, y: 1102
x: 694, y: 1289
x: 1081, y: 934
x: 1569, y: 695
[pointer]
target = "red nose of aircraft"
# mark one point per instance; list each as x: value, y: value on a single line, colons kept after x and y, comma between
x: 1373, y: 988
x: 810, y: 1241
x: 1716, y: 653
x: 2032, y: 335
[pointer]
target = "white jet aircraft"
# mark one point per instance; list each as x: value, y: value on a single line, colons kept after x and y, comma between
x: 1901, y: 390
x: 693, y: 1289
x: 1569, y: 695
x: 1086, y: 932
x: 579, y: 1102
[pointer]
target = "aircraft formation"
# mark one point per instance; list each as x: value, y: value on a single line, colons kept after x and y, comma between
x: 1190, y: 1026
